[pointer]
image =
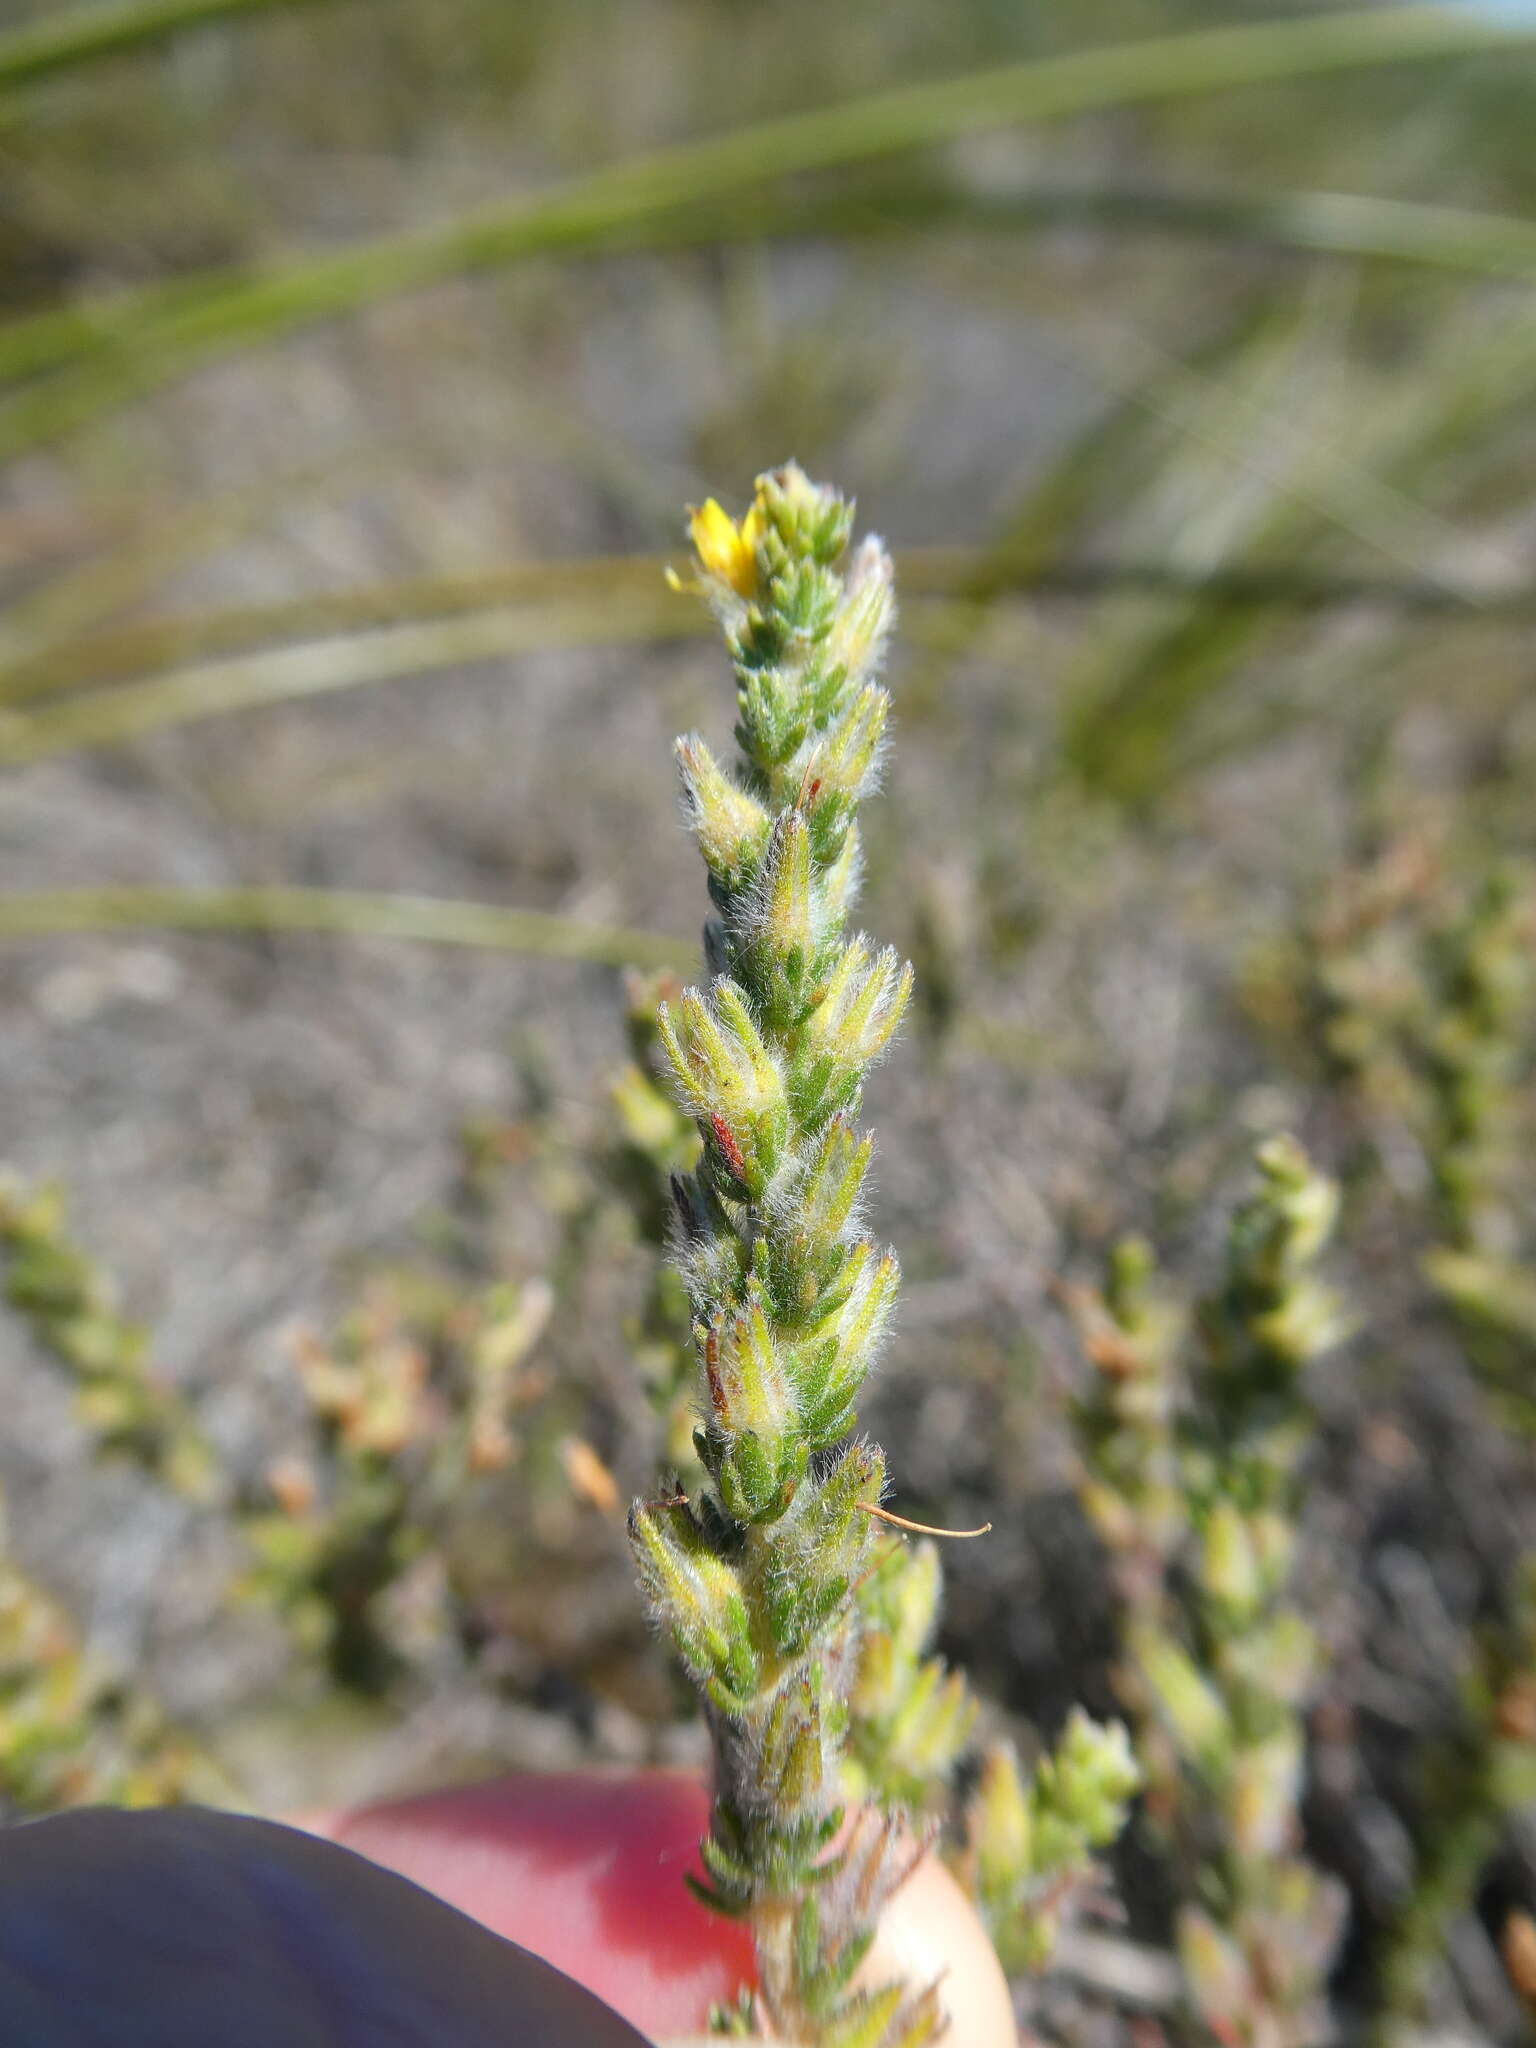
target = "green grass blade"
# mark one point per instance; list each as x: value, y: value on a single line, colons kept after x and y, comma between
x: 593, y: 601
x: 74, y: 36
x: 1102, y: 460
x: 610, y: 583
x: 340, y: 913
x: 286, y: 297
x: 109, y: 718
x: 58, y: 336
x: 1137, y: 698
x: 1353, y: 226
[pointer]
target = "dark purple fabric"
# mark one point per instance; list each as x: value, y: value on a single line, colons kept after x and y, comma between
x: 183, y: 1928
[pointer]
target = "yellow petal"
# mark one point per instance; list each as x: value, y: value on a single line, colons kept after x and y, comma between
x: 725, y: 549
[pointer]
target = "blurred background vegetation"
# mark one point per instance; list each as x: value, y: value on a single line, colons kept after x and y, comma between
x: 356, y: 358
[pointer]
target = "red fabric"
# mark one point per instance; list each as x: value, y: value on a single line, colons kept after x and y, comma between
x: 585, y: 1871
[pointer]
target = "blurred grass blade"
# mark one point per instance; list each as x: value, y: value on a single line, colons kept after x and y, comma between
x: 1347, y: 225
x: 1104, y: 457
x: 614, y: 581
x: 342, y: 913
x: 74, y: 36
x: 286, y: 297
x: 70, y: 605
x: 59, y: 335
x: 951, y: 594
x: 1036, y: 532
x: 1357, y: 226
x: 1456, y: 239
x: 67, y: 605
x: 1136, y: 695
x: 108, y: 718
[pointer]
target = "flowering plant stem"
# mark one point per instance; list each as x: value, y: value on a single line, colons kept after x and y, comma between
x: 756, y: 1574
x: 1193, y: 1481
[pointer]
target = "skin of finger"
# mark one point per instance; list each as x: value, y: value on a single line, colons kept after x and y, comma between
x: 585, y: 1870
x: 929, y: 1930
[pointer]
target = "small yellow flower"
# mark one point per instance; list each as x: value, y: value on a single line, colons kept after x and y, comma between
x: 725, y: 549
